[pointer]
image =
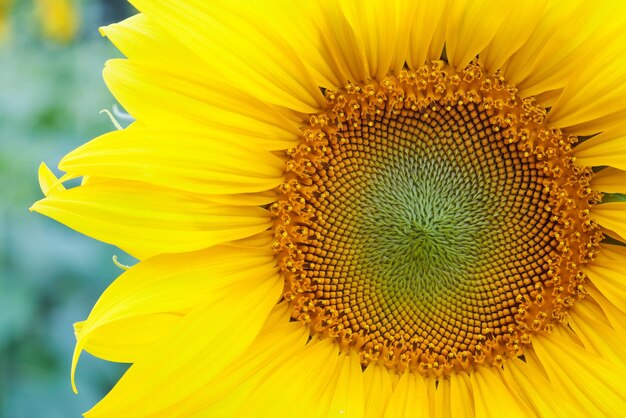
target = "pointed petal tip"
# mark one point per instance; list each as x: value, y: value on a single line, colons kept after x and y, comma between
x: 49, y: 183
x: 78, y: 348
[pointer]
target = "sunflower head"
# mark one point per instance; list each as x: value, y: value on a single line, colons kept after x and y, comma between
x: 389, y: 209
x: 394, y: 226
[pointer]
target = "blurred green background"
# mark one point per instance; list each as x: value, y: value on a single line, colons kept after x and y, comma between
x: 51, y: 93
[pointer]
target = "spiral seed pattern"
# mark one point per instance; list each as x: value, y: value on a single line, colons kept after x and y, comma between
x: 432, y: 221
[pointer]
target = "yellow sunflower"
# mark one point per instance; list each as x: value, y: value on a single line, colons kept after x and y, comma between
x: 361, y: 209
x: 59, y: 19
x: 5, y: 12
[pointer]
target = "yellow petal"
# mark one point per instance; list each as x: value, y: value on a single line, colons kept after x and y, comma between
x: 461, y: 396
x: 597, y: 335
x: 123, y: 340
x: 409, y: 398
x: 263, y: 239
x: 168, y: 99
x: 205, y: 342
x: 347, y: 396
x: 609, y: 180
x: 150, y: 219
x: 169, y: 158
x: 365, y: 38
x: 592, y: 100
x: 280, y: 315
x: 566, y: 334
x: 377, y: 390
x: 439, y: 397
x: 143, y: 303
x: 611, y: 216
x: 492, y: 398
x: 589, y: 306
x: 545, y: 62
x: 472, y: 24
x: 530, y: 384
x: 592, y: 380
x: 608, y: 276
x: 48, y: 181
x: 139, y: 38
x: 269, y: 69
x: 615, y: 316
x: 342, y: 41
x: 548, y: 98
x: 607, y: 148
x: 405, y: 11
x: 612, y: 235
x: 145, y: 42
x: 300, y: 22
x: 245, y: 199
x: 516, y: 28
x: 223, y: 395
x: 296, y: 385
x: 378, y: 27
x: 427, y: 33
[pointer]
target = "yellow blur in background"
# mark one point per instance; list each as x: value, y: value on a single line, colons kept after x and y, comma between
x: 54, y: 20
x: 5, y: 6
x: 59, y: 19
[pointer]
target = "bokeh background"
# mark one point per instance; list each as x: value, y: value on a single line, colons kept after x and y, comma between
x: 51, y: 95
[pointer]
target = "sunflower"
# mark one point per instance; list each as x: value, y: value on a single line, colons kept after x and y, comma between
x: 360, y: 209
x: 5, y: 11
x: 59, y: 19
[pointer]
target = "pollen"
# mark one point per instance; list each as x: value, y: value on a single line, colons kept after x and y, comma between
x: 432, y: 221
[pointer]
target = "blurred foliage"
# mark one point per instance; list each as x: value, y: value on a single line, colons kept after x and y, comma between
x: 51, y: 93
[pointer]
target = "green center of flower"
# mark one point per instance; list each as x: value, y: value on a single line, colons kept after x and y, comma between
x: 426, y: 215
x: 432, y: 222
